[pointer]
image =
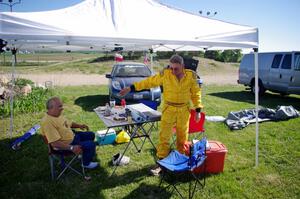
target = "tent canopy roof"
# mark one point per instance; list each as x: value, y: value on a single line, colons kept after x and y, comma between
x: 132, y: 24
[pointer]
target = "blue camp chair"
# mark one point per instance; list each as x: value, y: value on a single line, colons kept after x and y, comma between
x: 60, y: 156
x: 177, y: 167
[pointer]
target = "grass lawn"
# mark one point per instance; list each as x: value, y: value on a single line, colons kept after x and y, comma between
x: 26, y: 173
x: 88, y: 63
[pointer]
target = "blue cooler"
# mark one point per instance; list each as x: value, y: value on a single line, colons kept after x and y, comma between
x: 103, y: 139
x: 149, y: 103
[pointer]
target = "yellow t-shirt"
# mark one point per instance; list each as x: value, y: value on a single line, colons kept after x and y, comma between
x: 57, y: 128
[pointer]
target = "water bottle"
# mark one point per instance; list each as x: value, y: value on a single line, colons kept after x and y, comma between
x: 107, y: 110
x: 129, y: 116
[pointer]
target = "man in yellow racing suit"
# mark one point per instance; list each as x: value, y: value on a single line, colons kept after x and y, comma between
x: 179, y: 88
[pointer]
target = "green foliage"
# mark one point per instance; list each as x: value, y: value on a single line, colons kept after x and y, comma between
x: 33, y: 102
x: 164, y: 54
x: 201, y: 54
x: 103, y: 58
x: 167, y: 55
x: 131, y: 55
x: 27, y: 63
x: 225, y: 56
x: 231, y: 56
x: 212, y: 54
x: 21, y: 82
x: 191, y: 53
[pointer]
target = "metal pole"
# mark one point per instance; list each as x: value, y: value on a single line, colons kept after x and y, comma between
x: 151, y: 59
x: 4, y: 59
x: 13, y: 61
x: 256, y: 105
x: 10, y: 3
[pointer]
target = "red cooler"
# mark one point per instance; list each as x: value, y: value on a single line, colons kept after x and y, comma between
x: 215, y: 158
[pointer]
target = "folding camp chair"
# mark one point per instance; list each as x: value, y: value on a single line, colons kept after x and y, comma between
x: 195, y: 128
x: 177, y: 166
x: 66, y: 159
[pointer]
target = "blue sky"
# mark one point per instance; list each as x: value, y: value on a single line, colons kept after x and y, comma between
x: 278, y: 21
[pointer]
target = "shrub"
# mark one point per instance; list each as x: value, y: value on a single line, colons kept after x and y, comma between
x: 21, y: 82
x: 225, y: 56
x: 33, y: 102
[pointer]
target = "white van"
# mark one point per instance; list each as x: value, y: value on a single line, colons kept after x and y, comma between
x: 277, y: 71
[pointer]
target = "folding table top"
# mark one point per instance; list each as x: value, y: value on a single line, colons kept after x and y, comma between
x: 115, y: 120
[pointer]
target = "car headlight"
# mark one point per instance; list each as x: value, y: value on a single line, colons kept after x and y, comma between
x: 116, y: 85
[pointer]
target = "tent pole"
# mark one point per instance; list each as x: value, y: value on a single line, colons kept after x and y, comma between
x: 151, y: 62
x: 13, y: 61
x: 256, y: 105
x: 151, y: 59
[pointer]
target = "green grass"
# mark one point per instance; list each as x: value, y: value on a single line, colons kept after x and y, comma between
x: 84, y: 66
x: 86, y: 63
x: 26, y: 173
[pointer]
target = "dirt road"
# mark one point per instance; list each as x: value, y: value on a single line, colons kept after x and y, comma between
x: 94, y: 79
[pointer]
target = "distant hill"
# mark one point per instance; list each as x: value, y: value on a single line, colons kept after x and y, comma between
x: 82, y: 63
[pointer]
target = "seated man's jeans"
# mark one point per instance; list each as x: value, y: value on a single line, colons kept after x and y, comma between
x: 88, y: 146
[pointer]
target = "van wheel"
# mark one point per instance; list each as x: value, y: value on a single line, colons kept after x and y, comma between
x: 261, y: 88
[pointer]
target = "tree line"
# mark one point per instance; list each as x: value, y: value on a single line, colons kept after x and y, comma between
x: 218, y: 55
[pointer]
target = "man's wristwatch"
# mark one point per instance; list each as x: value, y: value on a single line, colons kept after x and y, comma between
x: 71, y: 148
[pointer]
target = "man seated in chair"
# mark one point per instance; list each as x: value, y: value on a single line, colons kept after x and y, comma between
x: 59, y: 134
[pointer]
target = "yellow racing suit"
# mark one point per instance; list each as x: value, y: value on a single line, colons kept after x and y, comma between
x: 177, y: 95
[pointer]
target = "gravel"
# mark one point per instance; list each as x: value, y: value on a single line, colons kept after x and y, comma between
x: 94, y: 79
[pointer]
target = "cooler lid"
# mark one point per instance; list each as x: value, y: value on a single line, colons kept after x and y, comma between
x: 216, y: 146
x: 105, y: 131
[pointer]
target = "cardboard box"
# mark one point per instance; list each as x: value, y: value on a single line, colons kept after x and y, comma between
x: 106, y: 138
x: 214, y: 162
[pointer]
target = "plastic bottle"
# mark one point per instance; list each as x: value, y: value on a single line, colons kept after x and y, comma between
x: 129, y: 116
x: 107, y: 110
x: 123, y: 103
x: 112, y: 103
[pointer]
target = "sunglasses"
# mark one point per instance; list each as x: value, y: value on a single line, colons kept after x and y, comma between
x: 174, y: 69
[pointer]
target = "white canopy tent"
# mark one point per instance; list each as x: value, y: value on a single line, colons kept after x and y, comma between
x: 99, y: 24
x: 131, y: 24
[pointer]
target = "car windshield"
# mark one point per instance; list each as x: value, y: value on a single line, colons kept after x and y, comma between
x: 132, y: 71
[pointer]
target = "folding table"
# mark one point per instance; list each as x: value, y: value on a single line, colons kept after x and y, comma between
x: 135, y: 129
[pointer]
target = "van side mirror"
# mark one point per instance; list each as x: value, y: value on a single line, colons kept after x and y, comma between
x: 108, y: 76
